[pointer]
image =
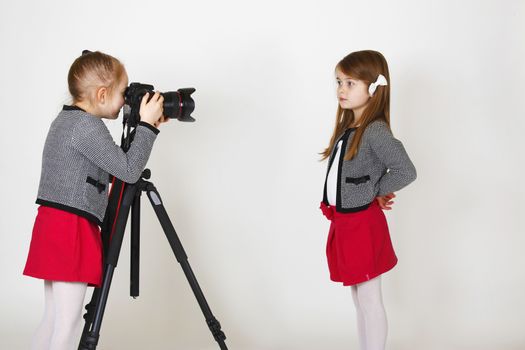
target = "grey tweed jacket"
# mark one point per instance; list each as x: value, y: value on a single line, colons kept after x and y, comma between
x: 381, y: 166
x: 79, y: 154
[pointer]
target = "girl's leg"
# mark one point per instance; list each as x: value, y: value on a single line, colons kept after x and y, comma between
x: 361, y: 330
x: 42, y: 337
x: 371, y: 303
x: 69, y: 299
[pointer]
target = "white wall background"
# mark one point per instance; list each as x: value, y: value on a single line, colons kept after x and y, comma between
x: 242, y: 184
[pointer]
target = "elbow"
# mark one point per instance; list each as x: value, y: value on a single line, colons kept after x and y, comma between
x: 412, y: 174
x: 130, y: 177
x: 134, y: 176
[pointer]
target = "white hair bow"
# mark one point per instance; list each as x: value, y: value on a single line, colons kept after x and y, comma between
x: 381, y: 80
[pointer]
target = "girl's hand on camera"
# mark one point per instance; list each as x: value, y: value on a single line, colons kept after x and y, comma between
x: 385, y: 201
x: 151, y: 111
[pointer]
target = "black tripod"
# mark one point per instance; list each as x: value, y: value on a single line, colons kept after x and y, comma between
x: 123, y: 198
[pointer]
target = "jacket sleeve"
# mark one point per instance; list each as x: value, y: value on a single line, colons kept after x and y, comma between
x: 92, y: 138
x: 392, y: 154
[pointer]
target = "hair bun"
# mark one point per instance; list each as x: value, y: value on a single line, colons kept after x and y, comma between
x: 86, y: 52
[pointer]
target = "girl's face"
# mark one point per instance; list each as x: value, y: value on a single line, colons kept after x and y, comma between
x: 115, y: 98
x: 351, y: 93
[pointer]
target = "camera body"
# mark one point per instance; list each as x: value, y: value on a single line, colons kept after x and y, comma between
x: 177, y: 104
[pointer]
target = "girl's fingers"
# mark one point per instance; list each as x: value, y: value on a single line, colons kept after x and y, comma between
x: 384, y: 202
x: 162, y: 119
x: 144, y: 99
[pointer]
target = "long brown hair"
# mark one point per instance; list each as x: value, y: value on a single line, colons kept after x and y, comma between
x: 93, y: 70
x: 366, y: 66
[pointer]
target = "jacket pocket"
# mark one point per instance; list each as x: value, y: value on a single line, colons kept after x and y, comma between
x: 94, y: 193
x: 98, y: 185
x: 357, y: 180
x: 357, y: 191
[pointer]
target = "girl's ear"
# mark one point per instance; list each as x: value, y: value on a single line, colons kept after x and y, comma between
x: 102, y: 95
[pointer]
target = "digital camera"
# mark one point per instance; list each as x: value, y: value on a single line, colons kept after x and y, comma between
x: 177, y: 104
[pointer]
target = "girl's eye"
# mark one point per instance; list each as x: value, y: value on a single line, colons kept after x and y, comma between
x: 338, y: 82
x: 350, y: 83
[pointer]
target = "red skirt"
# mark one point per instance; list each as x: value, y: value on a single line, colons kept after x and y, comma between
x: 64, y: 247
x: 359, y: 246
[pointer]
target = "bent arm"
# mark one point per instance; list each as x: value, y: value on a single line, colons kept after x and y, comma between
x: 94, y: 141
x: 391, y: 152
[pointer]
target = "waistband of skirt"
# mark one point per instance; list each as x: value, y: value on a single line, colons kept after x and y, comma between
x: 330, y: 211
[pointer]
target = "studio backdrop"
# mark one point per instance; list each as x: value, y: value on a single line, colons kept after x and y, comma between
x: 243, y: 183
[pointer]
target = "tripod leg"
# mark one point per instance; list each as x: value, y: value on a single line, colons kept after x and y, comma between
x: 135, y: 247
x: 91, y: 335
x: 182, y: 258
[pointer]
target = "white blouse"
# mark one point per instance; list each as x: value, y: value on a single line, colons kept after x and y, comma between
x: 331, y: 182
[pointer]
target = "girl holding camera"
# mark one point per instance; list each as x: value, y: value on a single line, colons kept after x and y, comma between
x: 366, y: 166
x: 79, y: 156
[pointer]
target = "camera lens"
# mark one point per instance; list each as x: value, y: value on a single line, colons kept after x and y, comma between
x: 179, y: 104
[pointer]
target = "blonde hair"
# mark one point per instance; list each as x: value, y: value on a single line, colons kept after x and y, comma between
x: 91, y: 71
x: 366, y: 66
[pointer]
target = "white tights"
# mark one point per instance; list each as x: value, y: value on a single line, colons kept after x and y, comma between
x: 60, y: 326
x: 371, y: 317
